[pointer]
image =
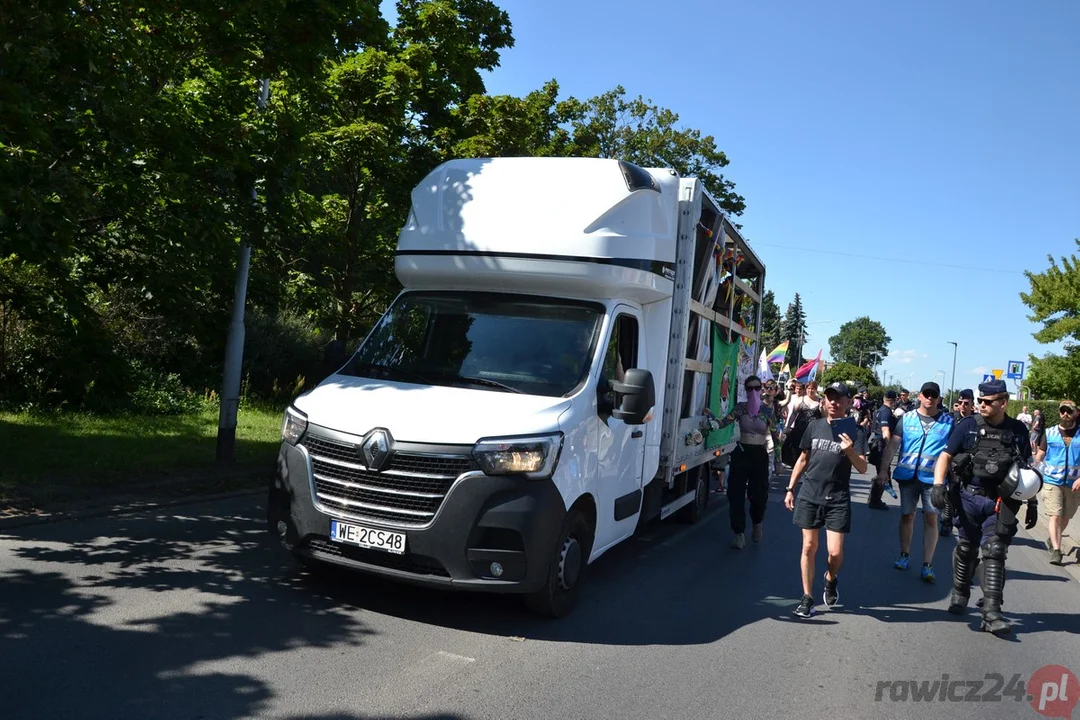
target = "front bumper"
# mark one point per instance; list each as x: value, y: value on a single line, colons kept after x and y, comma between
x: 481, y: 520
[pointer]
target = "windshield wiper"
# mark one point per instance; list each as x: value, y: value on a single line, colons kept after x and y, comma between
x: 485, y: 382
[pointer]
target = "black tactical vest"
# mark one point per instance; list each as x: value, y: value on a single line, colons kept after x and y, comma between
x: 994, y: 452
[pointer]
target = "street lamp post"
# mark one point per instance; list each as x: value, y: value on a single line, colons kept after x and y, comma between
x: 952, y: 385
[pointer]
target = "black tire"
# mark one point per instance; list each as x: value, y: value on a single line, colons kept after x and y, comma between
x: 693, y: 512
x: 566, y: 576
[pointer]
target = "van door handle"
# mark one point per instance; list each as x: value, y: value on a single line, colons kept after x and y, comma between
x: 637, y: 434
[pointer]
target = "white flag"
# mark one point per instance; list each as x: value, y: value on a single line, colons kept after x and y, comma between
x: 764, y: 371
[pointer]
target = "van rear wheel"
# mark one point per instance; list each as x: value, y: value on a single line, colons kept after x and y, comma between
x: 566, y: 575
x: 693, y: 512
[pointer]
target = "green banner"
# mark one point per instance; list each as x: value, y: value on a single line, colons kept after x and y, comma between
x: 724, y: 391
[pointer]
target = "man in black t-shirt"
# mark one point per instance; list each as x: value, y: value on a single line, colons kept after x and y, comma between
x: 883, y: 427
x: 830, y: 448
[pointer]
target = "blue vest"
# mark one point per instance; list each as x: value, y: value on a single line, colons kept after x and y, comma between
x: 1062, y: 463
x: 920, y: 450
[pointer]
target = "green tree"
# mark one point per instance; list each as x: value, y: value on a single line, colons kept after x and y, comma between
x: 127, y: 157
x: 772, y: 331
x: 853, y: 375
x: 638, y: 131
x: 861, y: 342
x: 1054, y: 301
x: 385, y: 117
x: 1055, y: 376
x: 794, y: 330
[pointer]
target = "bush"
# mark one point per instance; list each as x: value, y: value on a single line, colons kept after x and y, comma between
x: 282, y: 355
x: 157, y: 393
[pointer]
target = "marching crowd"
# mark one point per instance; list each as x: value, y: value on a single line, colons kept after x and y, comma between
x: 972, y: 469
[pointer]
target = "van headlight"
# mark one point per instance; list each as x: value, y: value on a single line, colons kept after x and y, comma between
x: 533, y: 457
x: 292, y: 429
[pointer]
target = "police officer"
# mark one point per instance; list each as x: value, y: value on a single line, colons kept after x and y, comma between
x: 965, y: 408
x: 983, y: 450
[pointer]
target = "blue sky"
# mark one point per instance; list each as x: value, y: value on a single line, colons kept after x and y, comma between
x: 942, y: 134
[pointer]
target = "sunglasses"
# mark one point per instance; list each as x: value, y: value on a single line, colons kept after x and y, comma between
x: 1066, y: 411
x: 988, y: 401
x: 931, y: 395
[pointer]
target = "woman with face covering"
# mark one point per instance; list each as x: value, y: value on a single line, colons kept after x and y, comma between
x: 748, y: 474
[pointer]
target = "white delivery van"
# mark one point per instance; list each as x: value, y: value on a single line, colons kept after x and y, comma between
x: 537, y: 391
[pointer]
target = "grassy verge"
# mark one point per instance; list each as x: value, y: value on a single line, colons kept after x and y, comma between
x: 90, y: 450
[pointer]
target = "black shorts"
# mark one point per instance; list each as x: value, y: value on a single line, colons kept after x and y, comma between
x: 831, y: 516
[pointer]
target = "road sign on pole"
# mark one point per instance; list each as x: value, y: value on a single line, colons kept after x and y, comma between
x: 997, y: 373
x: 1016, y: 370
x: 988, y: 378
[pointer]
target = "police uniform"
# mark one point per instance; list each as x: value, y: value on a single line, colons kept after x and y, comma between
x: 947, y: 513
x: 983, y: 456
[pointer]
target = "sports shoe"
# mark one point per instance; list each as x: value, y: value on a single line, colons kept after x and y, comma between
x: 806, y: 607
x: 927, y: 573
x: 739, y: 542
x: 879, y: 505
x: 832, y: 595
x: 756, y: 534
x: 902, y: 562
x: 1056, y: 558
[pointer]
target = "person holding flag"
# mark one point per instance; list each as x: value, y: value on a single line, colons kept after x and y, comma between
x: 801, y: 410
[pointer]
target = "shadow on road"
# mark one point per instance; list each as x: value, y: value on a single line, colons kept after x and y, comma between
x: 72, y: 646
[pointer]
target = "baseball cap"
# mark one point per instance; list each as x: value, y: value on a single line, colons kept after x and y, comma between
x: 930, y: 387
x: 891, y: 394
x: 967, y: 394
x: 1067, y: 404
x: 994, y: 387
x: 839, y: 388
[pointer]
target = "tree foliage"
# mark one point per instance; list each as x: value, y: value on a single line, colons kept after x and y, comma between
x: 794, y: 330
x: 133, y: 140
x: 772, y: 331
x: 853, y: 375
x: 1054, y: 301
x: 611, y: 125
x: 1055, y: 376
x: 861, y: 342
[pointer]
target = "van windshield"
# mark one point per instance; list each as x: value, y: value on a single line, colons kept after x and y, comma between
x: 501, y: 343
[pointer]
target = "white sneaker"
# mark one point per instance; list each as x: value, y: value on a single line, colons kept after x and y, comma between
x: 739, y: 542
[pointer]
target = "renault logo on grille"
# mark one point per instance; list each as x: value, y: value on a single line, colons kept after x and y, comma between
x: 376, y: 450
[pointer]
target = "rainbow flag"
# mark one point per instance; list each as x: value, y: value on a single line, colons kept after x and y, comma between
x: 808, y: 372
x: 779, y: 353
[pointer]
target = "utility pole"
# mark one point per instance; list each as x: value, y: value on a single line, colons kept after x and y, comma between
x: 234, y: 345
x: 952, y: 385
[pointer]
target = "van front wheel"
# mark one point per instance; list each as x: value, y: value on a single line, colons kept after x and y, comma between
x: 567, y: 572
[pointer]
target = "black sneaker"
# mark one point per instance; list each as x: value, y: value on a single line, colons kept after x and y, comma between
x: 832, y: 595
x: 806, y: 607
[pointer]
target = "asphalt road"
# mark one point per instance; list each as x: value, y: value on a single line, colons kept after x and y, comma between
x: 191, y: 612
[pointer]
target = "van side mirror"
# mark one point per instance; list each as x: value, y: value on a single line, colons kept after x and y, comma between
x: 635, y: 396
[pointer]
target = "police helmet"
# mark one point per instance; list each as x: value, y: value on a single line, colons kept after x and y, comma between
x: 1022, y: 482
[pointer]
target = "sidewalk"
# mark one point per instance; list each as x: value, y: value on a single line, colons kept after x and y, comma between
x: 54, y: 502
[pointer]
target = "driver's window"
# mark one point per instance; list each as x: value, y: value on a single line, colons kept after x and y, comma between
x: 622, y: 349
